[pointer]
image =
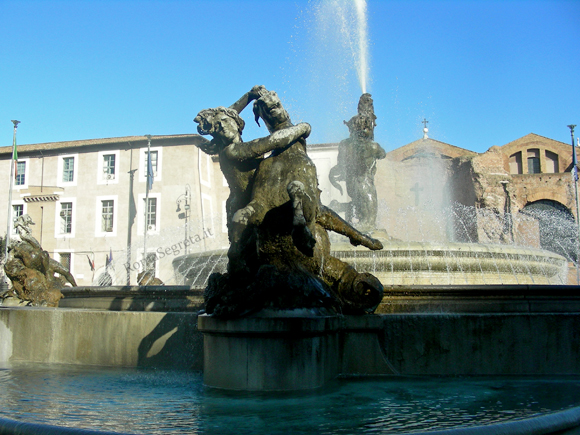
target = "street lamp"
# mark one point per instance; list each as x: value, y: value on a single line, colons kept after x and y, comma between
x: 12, y: 168
x: 185, y: 199
x: 575, y: 177
x: 148, y: 184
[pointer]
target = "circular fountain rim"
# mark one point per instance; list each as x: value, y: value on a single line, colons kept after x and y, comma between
x: 548, y: 423
x: 399, y: 245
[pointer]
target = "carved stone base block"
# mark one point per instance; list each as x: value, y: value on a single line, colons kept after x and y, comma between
x: 273, y: 351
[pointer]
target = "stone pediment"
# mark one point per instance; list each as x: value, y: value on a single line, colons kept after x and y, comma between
x: 544, y: 148
x: 428, y: 149
x: 534, y: 140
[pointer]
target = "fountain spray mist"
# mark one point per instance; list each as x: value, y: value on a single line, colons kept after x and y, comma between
x: 334, y: 64
x: 363, y: 46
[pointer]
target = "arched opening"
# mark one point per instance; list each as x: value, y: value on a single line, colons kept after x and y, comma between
x: 557, y: 227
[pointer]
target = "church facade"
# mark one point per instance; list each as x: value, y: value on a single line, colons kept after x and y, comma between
x: 520, y: 193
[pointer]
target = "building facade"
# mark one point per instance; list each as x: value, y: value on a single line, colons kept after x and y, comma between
x: 88, y: 199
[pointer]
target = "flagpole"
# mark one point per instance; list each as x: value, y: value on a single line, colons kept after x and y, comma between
x: 148, y: 162
x: 575, y: 176
x: 12, y: 163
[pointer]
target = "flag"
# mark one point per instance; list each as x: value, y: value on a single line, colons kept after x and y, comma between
x: 91, y: 263
x: 149, y: 171
x: 575, y: 161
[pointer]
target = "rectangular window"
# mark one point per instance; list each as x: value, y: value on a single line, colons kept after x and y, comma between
x: 17, y: 210
x: 154, y: 160
x: 66, y: 217
x: 109, y: 166
x: 156, y: 163
x: 68, y: 164
x: 533, y: 165
x: 534, y: 161
x: 107, y: 215
x: 151, y: 214
x: 20, y: 174
x: 204, y: 168
x: 65, y: 260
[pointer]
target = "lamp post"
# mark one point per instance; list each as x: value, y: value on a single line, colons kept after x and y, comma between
x: 148, y: 184
x: 184, y: 198
x: 575, y: 177
x: 12, y: 165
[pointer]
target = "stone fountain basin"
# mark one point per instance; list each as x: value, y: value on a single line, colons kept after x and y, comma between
x: 426, y: 331
x: 423, y: 330
x: 418, y: 263
x: 420, y: 330
x: 422, y: 263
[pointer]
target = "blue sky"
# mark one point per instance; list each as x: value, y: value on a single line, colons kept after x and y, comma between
x: 483, y: 73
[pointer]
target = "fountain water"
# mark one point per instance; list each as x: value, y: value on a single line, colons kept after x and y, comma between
x: 338, y: 63
x: 433, y: 260
x: 363, y: 48
x: 429, y: 259
x: 395, y: 405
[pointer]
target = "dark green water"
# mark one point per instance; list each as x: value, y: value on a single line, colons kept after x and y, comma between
x: 146, y: 401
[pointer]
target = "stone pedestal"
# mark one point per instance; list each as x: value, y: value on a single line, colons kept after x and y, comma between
x: 271, y: 351
x: 360, y: 349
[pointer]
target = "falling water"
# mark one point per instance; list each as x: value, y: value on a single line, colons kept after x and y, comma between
x: 331, y: 67
x: 343, y: 26
x: 423, y: 251
x: 363, y: 46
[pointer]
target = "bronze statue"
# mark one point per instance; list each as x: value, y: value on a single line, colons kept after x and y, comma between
x: 147, y: 277
x: 280, y: 253
x: 31, y: 269
x: 356, y: 166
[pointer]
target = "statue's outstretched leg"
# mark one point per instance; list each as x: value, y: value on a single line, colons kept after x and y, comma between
x: 301, y: 234
x: 367, y: 205
x: 330, y: 220
x: 242, y: 253
x: 56, y: 267
x: 242, y: 237
x: 45, y: 260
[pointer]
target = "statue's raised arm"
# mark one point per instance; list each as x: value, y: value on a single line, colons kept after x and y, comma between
x: 254, y: 93
x: 279, y: 140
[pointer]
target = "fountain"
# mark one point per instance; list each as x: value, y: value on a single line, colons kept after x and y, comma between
x: 436, y: 362
x: 405, y: 261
